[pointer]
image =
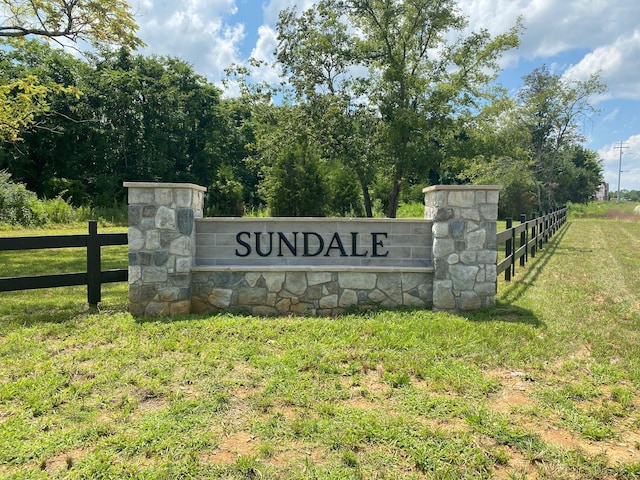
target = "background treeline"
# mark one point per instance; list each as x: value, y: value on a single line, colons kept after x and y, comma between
x: 136, y: 118
x: 305, y: 150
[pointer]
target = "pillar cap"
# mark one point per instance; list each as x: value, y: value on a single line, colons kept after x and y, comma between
x: 191, y: 186
x: 440, y: 188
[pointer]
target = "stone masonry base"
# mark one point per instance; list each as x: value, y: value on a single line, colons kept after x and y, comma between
x: 308, y: 292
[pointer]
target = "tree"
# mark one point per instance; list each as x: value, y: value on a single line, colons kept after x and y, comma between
x: 103, y: 23
x: 139, y: 118
x: 317, y: 52
x: 286, y: 150
x: 579, y: 174
x: 515, y: 176
x: 396, y: 57
x: 553, y: 109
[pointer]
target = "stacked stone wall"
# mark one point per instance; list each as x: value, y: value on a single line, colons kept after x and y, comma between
x: 327, y: 291
x: 447, y: 262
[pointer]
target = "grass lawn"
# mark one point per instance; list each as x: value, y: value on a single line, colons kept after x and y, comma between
x: 544, y: 386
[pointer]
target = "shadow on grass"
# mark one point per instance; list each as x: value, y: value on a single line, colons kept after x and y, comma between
x: 26, y: 312
x: 505, y: 313
x: 526, y: 277
x: 52, y: 305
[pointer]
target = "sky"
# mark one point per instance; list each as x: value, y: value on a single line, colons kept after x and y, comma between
x: 573, y: 38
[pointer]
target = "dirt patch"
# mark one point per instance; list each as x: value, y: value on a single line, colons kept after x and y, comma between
x: 514, y: 392
x: 515, y: 395
x: 287, y: 452
x: 232, y: 447
x: 63, y: 461
x: 361, y: 403
x: 517, y: 467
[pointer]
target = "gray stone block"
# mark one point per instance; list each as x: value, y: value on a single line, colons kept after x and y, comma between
x: 165, y: 219
x: 463, y: 277
x: 185, y: 221
x: 296, y: 283
x: 160, y: 257
x: 357, y: 280
x: 220, y: 297
x: 149, y: 211
x: 457, y: 228
x: 252, y: 296
x: 134, y: 214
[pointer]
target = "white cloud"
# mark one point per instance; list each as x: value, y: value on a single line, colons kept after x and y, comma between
x: 630, y: 176
x: 197, y: 31
x: 618, y: 64
x: 264, y: 52
x: 552, y: 28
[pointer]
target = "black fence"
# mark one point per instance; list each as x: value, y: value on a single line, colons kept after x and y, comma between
x: 524, y: 240
x: 93, y: 278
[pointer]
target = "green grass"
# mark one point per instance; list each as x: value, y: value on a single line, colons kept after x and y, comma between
x: 610, y: 210
x: 543, y: 386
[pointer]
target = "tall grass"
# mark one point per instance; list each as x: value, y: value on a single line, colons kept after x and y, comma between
x: 610, y: 209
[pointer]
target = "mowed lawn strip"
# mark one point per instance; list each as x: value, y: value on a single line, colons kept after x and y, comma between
x: 543, y: 386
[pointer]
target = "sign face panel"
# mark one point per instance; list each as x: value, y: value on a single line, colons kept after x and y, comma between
x: 313, y: 242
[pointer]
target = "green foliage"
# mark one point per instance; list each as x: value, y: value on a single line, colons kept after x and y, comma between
x: 604, y: 209
x: 531, y: 146
x: 296, y: 186
x: 19, y: 206
x: 24, y: 98
x: 626, y: 195
x: 225, y: 195
x: 102, y: 22
x: 337, y: 53
x: 518, y: 194
x: 138, y: 119
x: 58, y: 211
x: 552, y: 109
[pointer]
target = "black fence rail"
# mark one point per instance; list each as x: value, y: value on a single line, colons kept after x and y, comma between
x: 93, y: 278
x: 524, y: 240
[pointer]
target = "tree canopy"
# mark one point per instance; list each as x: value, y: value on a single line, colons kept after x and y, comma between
x: 103, y: 23
x: 100, y: 22
x: 381, y: 98
x: 409, y: 61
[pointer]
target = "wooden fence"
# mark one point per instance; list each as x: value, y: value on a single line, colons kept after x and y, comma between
x: 525, y: 239
x: 93, y: 278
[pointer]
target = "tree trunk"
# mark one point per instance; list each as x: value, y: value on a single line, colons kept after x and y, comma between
x: 394, y: 198
x: 368, y: 209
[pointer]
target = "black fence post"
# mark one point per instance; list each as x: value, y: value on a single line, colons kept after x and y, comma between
x: 93, y: 265
x: 523, y: 240
x: 547, y: 218
x: 540, y: 231
x: 534, y: 229
x: 508, y: 250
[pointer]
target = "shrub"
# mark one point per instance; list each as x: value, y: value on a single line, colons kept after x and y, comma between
x: 59, y: 211
x: 18, y: 205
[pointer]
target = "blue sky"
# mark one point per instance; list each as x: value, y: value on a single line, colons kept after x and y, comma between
x: 575, y: 38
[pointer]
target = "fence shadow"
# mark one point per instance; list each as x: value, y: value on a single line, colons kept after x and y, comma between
x: 526, y: 276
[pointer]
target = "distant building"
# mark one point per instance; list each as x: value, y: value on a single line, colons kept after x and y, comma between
x: 603, y: 192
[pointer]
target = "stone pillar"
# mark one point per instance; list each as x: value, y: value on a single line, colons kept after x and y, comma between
x: 464, y: 245
x: 162, y: 246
